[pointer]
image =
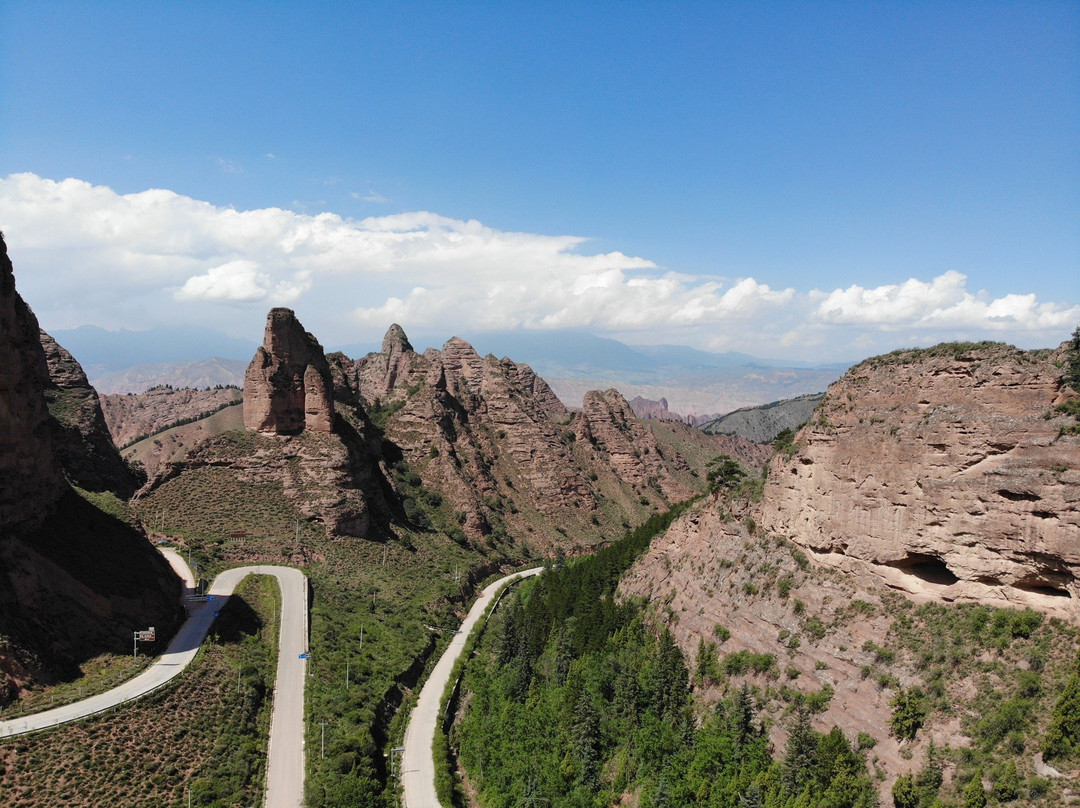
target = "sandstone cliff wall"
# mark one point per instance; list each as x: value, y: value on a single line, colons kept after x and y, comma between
x: 944, y: 473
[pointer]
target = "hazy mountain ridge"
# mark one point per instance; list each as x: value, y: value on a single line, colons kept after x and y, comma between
x: 696, y: 383
x: 763, y: 423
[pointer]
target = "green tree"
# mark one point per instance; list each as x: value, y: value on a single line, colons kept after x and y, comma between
x: 799, y: 757
x: 1007, y: 784
x: 724, y: 473
x: 1064, y: 730
x: 1072, y: 372
x: 974, y: 795
x: 909, y: 712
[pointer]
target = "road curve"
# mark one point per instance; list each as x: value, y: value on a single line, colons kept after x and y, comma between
x: 417, y: 763
x: 285, y: 766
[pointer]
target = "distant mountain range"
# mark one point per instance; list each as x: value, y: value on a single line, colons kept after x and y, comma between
x: 694, y: 382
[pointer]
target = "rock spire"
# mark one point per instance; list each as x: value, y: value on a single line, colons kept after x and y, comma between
x: 288, y: 387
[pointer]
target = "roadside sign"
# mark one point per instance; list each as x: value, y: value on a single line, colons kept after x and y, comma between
x: 304, y: 656
x: 146, y: 636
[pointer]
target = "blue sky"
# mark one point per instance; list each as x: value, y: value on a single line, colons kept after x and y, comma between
x: 789, y: 179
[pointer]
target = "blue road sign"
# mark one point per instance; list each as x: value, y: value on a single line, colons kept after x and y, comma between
x: 217, y: 614
x: 304, y: 656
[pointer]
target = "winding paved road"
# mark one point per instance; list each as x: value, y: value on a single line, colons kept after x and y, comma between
x: 285, y: 767
x: 417, y: 762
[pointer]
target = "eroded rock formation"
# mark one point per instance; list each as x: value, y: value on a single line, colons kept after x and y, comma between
x: 288, y: 387
x: 81, y: 439
x: 492, y: 437
x: 31, y: 480
x: 945, y: 473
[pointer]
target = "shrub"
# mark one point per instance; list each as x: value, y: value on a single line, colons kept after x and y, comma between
x: 909, y: 712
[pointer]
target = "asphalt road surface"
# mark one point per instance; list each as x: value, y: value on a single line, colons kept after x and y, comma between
x: 285, y: 767
x: 417, y: 766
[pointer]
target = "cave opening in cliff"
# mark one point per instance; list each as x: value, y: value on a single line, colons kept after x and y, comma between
x: 928, y: 568
x: 1041, y: 586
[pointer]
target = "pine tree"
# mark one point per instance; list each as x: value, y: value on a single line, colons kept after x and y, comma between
x: 1072, y: 372
x: 974, y: 795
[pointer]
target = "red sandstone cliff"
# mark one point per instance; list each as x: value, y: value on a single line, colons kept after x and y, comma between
x: 945, y: 474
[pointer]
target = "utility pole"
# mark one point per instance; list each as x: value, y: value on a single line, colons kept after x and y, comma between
x: 322, y: 748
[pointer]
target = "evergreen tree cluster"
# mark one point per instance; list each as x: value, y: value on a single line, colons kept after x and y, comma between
x: 582, y: 700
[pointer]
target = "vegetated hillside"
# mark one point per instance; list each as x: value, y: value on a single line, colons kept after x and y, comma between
x: 762, y: 424
x: 949, y: 474
x: 204, y: 735
x: 153, y: 454
x: 936, y: 691
x: 74, y: 579
x: 578, y: 699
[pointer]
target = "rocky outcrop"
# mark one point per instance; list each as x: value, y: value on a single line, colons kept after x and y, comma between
x: 31, y: 479
x: 288, y: 387
x: 648, y: 408
x: 608, y: 423
x: 81, y: 439
x: 503, y: 451
x: 762, y: 424
x: 946, y: 472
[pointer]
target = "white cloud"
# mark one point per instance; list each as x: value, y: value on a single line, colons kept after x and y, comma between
x: 942, y: 303
x: 86, y: 254
x: 236, y: 280
x: 228, y: 166
x: 370, y: 196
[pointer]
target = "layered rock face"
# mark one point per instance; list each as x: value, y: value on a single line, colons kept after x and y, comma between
x: 81, y: 438
x: 31, y: 480
x: 287, y: 387
x: 945, y: 473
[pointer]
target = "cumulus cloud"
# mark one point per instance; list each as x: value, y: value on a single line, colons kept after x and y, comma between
x: 943, y: 302
x: 87, y: 254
